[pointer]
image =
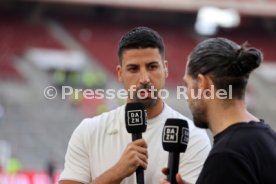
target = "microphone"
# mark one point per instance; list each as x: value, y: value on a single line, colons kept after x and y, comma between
x: 175, y: 139
x: 136, y: 124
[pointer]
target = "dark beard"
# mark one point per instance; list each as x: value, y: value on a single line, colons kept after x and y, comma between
x: 200, y: 118
x: 149, y: 101
x: 200, y: 124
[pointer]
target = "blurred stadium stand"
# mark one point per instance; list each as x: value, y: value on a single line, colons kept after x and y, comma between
x: 38, y: 129
x: 103, y: 46
x: 17, y: 35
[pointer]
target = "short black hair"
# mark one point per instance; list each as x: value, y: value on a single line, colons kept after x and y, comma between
x: 226, y: 62
x: 141, y: 37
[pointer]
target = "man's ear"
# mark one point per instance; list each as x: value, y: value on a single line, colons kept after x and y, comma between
x: 119, y: 73
x: 203, y: 82
x: 166, y: 65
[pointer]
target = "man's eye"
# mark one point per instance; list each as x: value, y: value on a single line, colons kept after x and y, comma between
x: 153, y: 67
x: 132, y: 69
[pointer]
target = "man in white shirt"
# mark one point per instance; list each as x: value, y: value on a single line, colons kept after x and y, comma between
x: 100, y: 149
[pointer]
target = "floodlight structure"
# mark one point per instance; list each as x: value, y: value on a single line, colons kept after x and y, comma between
x: 210, y: 18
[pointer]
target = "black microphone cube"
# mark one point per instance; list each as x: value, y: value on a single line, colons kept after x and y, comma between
x: 175, y: 135
x: 135, y: 118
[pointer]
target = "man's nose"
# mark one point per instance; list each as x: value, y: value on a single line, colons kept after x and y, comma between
x: 144, y: 77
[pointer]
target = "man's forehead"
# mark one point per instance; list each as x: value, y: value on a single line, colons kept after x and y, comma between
x: 139, y: 61
x: 142, y: 63
x: 141, y: 56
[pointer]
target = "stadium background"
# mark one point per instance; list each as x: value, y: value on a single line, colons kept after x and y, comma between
x: 74, y: 43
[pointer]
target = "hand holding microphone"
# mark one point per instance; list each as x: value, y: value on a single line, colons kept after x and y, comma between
x: 175, y: 139
x: 134, y: 155
x: 179, y: 179
x: 135, y: 119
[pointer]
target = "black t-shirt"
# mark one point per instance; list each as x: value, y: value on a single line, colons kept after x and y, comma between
x: 244, y: 153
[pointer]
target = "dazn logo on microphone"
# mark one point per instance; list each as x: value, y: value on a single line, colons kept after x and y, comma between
x: 135, y: 118
x: 170, y: 134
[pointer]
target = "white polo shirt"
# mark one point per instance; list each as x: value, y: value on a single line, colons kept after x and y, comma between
x: 98, y: 143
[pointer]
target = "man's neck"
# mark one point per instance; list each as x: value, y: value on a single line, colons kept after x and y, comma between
x: 221, y: 115
x: 156, y: 109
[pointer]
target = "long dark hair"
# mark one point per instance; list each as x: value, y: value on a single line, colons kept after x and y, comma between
x: 226, y: 62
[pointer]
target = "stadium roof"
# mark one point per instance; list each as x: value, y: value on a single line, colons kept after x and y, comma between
x: 244, y: 7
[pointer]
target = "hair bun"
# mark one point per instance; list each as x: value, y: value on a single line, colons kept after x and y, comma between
x: 247, y: 60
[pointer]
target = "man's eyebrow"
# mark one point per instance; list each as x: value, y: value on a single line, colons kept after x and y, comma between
x: 152, y: 62
x: 132, y: 65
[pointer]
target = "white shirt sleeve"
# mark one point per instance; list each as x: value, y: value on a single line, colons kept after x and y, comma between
x: 76, y: 165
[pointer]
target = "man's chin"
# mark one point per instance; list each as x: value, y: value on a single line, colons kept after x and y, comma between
x: 148, y: 102
x: 201, y: 124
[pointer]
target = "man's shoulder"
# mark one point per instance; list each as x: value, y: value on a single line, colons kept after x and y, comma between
x: 104, y: 119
